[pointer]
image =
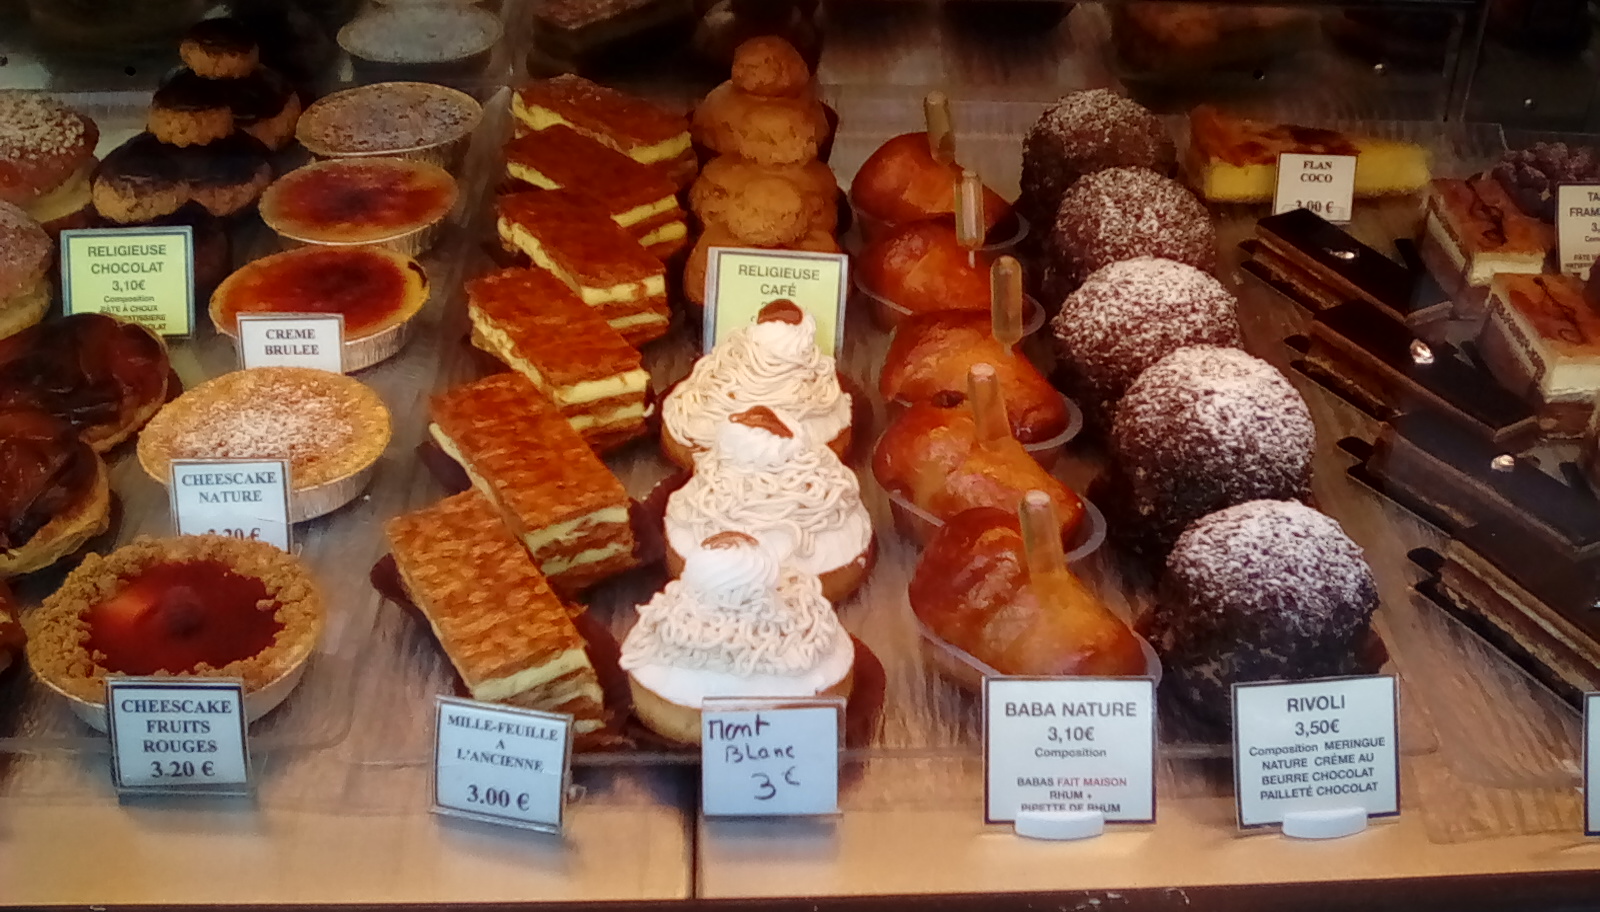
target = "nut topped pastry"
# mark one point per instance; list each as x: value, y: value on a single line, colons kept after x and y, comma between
x: 764, y: 475
x: 773, y: 362
x: 416, y: 120
x: 54, y: 491
x: 46, y: 156
x: 645, y: 131
x: 25, y: 254
x: 739, y: 622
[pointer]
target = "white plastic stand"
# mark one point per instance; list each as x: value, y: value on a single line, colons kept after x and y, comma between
x: 1328, y: 823
x: 1060, y: 825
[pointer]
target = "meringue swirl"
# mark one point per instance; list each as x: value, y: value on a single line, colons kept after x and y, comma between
x: 775, y: 364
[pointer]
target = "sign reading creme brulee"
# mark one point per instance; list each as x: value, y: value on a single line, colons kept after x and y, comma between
x: 142, y: 275
x: 740, y: 282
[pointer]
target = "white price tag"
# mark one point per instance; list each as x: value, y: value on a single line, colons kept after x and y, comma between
x: 177, y: 736
x: 501, y: 764
x: 770, y: 758
x: 1577, y: 227
x: 1591, y: 752
x: 292, y: 340
x: 239, y: 498
x: 1069, y: 744
x: 1321, y: 745
x: 1325, y: 184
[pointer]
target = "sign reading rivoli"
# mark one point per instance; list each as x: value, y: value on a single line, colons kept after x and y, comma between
x: 1325, y: 184
x: 1321, y: 745
x: 740, y: 282
x: 1069, y: 745
x: 292, y: 340
x: 239, y: 498
x: 142, y: 275
x: 770, y: 758
x: 1578, y: 227
x: 177, y: 736
x: 501, y: 764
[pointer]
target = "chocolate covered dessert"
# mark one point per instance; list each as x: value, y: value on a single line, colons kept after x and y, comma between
x: 1122, y: 213
x: 1263, y: 591
x: 1080, y: 134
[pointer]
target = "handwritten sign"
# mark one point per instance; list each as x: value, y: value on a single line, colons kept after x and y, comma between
x: 740, y: 282
x: 142, y: 275
x: 177, y: 736
x: 292, y: 340
x: 1315, y: 745
x: 239, y: 498
x: 762, y: 758
x: 1324, y: 184
x: 1069, y: 744
x: 501, y: 764
x: 1578, y: 227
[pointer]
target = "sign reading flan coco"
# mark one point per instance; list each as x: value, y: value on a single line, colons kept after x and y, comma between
x: 142, y: 275
x: 1578, y: 227
x: 741, y: 282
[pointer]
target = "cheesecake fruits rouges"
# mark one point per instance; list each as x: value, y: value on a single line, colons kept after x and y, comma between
x: 391, y: 202
x: 1234, y: 160
x: 1542, y: 342
x: 645, y: 132
x: 739, y: 622
x: 507, y: 633
x: 197, y: 605
x: 46, y: 156
x: 550, y: 488
x: 538, y: 327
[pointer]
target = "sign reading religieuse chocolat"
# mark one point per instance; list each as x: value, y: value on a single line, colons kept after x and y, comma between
x: 501, y: 764
x: 740, y: 282
x: 142, y: 275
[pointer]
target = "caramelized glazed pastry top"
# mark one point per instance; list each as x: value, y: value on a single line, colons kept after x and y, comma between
x: 89, y: 369
x: 44, y: 470
x: 366, y: 193
x: 1247, y: 142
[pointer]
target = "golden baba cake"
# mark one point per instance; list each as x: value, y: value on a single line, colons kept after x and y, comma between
x: 561, y: 231
x: 552, y: 490
x: 531, y: 321
x: 635, y: 196
x: 204, y: 606
x: 645, y: 132
x: 1235, y: 160
x: 330, y: 428
x: 393, y: 202
x: 415, y: 120
x: 1542, y: 342
x: 375, y: 289
x: 55, y: 493
x: 1472, y: 232
x: 507, y: 633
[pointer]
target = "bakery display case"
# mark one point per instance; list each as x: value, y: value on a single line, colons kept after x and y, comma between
x: 1089, y: 409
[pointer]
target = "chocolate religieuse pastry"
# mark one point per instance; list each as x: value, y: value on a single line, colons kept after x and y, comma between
x: 1121, y: 213
x: 1262, y: 591
x: 1080, y: 134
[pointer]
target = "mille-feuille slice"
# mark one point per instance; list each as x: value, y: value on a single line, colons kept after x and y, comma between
x: 562, y: 232
x: 642, y: 130
x: 552, y: 490
x: 637, y: 197
x: 536, y: 325
x: 506, y: 632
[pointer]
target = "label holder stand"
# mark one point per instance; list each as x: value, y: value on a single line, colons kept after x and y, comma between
x: 1325, y: 823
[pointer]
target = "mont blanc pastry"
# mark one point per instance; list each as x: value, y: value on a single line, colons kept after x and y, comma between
x: 774, y: 362
x: 764, y: 475
x: 738, y: 624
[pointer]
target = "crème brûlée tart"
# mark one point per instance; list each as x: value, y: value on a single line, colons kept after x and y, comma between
x: 391, y: 202
x: 375, y: 289
x: 204, y: 606
x: 54, y: 491
x: 737, y: 624
x: 773, y: 362
x: 330, y: 428
x: 764, y: 476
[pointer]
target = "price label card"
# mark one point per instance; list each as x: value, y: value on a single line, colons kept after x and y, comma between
x: 501, y: 764
x: 142, y: 275
x: 770, y: 758
x: 1325, y: 184
x: 1315, y: 745
x: 1069, y: 744
x: 239, y: 498
x: 740, y: 282
x: 1578, y: 227
x: 177, y: 736
x: 292, y: 340
x: 1591, y: 753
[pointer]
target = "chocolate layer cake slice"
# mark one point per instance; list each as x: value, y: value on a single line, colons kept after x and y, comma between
x: 536, y: 325
x: 508, y: 635
x: 1373, y: 360
x: 1473, y: 231
x: 579, y: 243
x: 1542, y: 341
x: 551, y: 489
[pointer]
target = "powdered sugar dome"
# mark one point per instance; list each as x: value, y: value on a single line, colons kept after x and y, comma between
x: 1082, y: 133
x: 1131, y: 314
x: 1123, y: 213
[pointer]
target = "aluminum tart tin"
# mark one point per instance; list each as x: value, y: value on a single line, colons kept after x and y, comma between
x: 257, y: 703
x: 413, y: 242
